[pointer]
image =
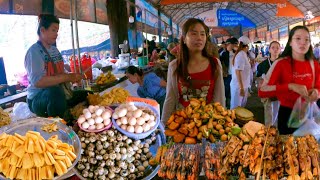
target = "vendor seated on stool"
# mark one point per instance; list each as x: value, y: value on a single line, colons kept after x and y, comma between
x: 150, y: 85
x: 47, y: 78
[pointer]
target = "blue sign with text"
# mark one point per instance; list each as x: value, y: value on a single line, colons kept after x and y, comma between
x: 227, y: 18
x: 283, y: 32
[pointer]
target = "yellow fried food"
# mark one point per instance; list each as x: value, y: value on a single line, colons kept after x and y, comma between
x: 4, y: 118
x: 32, y: 157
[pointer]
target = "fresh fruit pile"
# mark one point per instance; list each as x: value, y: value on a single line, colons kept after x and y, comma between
x: 105, y: 78
x: 32, y: 157
x: 95, y: 118
x: 200, y: 120
x: 134, y: 119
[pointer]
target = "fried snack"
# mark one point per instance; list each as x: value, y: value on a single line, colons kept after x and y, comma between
x: 32, y: 157
x: 116, y: 95
x: 52, y: 127
x: 4, y: 118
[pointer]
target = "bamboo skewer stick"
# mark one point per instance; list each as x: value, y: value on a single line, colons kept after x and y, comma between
x: 262, y: 154
x: 264, y: 171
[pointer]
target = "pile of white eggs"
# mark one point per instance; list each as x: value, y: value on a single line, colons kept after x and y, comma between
x: 134, y: 119
x: 95, y: 118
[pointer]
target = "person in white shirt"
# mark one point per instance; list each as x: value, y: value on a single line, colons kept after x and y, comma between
x: 241, y: 70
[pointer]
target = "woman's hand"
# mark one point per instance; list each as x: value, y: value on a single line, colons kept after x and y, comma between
x: 313, y: 95
x: 75, y: 77
x: 242, y: 92
x: 300, y: 89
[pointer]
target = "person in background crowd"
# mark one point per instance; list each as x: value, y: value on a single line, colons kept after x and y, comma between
x: 267, y: 50
x: 241, y: 69
x: 146, y: 49
x: 150, y: 85
x: 47, y: 95
x: 196, y: 73
x: 295, y: 74
x: 262, y: 51
x: 170, y: 55
x: 316, y: 52
x: 271, y: 105
x: 222, y: 47
x: 256, y: 51
x: 152, y: 43
x: 226, y: 62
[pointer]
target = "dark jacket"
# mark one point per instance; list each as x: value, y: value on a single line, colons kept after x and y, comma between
x: 263, y: 67
x: 224, y: 58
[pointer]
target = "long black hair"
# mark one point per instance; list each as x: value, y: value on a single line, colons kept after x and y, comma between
x: 287, y: 52
x: 133, y: 70
x: 45, y: 20
x: 183, y: 57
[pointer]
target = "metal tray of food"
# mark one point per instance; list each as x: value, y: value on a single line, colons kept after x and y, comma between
x: 150, y: 171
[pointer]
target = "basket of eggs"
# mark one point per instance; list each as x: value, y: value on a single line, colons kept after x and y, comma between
x: 136, y: 120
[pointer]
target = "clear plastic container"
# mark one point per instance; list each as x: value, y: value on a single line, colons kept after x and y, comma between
x: 65, y: 134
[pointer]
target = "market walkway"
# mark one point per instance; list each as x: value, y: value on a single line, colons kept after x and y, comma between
x: 255, y: 105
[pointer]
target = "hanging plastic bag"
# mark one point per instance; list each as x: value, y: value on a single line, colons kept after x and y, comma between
x: 299, y: 113
x: 21, y: 111
x: 308, y: 127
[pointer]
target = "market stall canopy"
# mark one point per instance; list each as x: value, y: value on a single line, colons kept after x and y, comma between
x: 87, y: 10
x: 168, y: 2
x: 260, y: 12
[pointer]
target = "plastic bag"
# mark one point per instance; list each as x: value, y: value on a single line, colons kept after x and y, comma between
x: 309, y: 127
x: 300, y: 112
x: 96, y: 73
x: 21, y: 111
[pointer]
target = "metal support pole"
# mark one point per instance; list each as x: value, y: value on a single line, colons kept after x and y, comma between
x: 77, y: 36
x: 72, y: 35
x: 145, y: 28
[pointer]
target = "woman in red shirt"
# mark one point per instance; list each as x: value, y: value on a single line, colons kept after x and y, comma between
x: 196, y: 73
x: 295, y: 74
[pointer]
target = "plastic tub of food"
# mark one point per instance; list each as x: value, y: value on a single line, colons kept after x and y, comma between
x: 65, y: 134
x: 144, y: 134
x: 98, y: 130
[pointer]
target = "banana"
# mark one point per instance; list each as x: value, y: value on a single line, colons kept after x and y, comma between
x: 19, y: 151
x: 51, y: 146
x: 3, y: 152
x: 58, y: 169
x: 3, y: 136
x: 9, y: 141
x: 62, y: 166
x: 18, y: 138
x: 19, y: 163
x: 29, y: 146
x: 60, y: 153
x: 68, y: 161
x: 14, y: 145
x: 57, y: 157
x: 33, y: 135
x: 13, y: 160
x: 38, y: 159
x: 49, y: 158
x: 43, y: 172
x: 12, y: 172
x: 27, y: 161
x: 50, y: 172
x: 22, y: 173
x: 71, y: 155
